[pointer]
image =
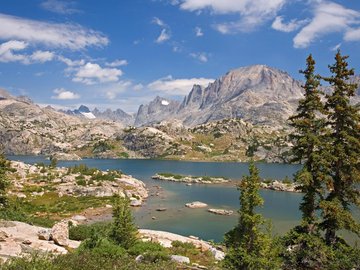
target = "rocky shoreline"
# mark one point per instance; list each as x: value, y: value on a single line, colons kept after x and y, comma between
x: 190, y: 179
x: 281, y: 186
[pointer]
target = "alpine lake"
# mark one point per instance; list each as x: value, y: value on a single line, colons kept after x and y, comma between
x: 281, y: 208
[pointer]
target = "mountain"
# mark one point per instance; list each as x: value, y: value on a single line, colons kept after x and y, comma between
x: 26, y: 128
x: 157, y: 110
x: 116, y: 115
x: 83, y: 111
x: 258, y: 94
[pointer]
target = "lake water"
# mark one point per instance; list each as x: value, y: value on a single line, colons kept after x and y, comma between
x: 280, y: 207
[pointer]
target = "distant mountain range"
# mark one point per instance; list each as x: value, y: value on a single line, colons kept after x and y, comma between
x: 257, y: 94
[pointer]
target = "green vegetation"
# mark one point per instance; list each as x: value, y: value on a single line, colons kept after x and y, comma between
x: 4, y: 182
x: 326, y: 139
x: 123, y: 231
x: 249, y: 244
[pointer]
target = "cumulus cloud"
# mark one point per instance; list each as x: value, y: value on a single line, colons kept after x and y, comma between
x: 176, y: 87
x: 63, y: 94
x: 60, y: 7
x: 165, y: 33
x: 291, y: 26
x: 114, y: 89
x: 8, y: 49
x: 252, y: 13
x: 42, y: 56
x: 329, y: 18
x: 9, y: 52
x: 202, y: 57
x: 116, y: 63
x: 198, y: 32
x: 55, y: 35
x: 92, y: 73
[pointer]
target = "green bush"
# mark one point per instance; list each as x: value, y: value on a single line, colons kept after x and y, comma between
x: 143, y: 247
x: 83, y: 232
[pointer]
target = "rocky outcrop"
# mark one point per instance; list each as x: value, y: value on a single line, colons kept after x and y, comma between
x: 280, y: 186
x: 166, y: 239
x: 75, y: 184
x: 117, y: 115
x: 22, y: 238
x: 60, y: 233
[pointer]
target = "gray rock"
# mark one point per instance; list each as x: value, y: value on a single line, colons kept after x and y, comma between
x: 60, y: 233
x: 180, y: 259
x: 139, y: 258
x: 44, y: 234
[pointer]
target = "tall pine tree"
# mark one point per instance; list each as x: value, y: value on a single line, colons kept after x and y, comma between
x: 123, y: 230
x: 249, y: 246
x: 344, y: 135
x: 308, y: 146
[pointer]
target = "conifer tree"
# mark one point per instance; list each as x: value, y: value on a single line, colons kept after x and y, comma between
x: 249, y: 246
x: 308, y: 146
x: 123, y: 230
x: 344, y: 135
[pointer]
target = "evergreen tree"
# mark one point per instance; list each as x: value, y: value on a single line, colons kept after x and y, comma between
x: 308, y: 146
x: 4, y: 166
x: 249, y: 246
x: 123, y: 230
x: 344, y: 135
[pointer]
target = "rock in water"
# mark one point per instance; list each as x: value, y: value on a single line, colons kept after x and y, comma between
x: 196, y: 205
x: 222, y: 212
x: 60, y: 233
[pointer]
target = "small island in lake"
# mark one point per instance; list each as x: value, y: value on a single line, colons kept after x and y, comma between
x: 190, y: 179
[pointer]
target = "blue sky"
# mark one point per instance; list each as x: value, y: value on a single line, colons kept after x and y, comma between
x: 122, y: 53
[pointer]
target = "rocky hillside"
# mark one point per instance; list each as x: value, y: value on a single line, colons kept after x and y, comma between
x: 225, y: 140
x: 25, y: 128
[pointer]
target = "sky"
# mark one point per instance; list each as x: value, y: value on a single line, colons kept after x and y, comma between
x: 123, y: 53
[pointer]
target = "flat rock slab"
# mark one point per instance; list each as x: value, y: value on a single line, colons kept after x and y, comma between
x: 19, y: 233
x: 196, y: 205
x: 222, y: 212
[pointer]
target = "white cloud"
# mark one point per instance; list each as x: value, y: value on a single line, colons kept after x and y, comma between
x: 202, y: 57
x: 252, y: 13
x: 69, y: 62
x: 176, y: 87
x: 63, y: 94
x: 56, y: 35
x: 114, y: 89
x: 92, y: 73
x: 336, y: 47
x: 164, y: 35
x: 352, y: 35
x: 117, y: 63
x: 158, y: 22
x: 7, y: 50
x: 198, y: 32
x: 328, y: 18
x: 61, y: 7
x: 8, y: 53
x: 291, y: 26
x: 42, y: 56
